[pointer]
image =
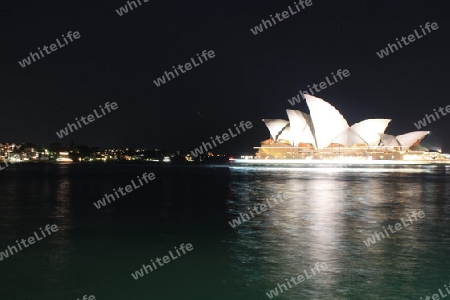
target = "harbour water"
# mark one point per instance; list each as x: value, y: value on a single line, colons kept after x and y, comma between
x: 328, y: 215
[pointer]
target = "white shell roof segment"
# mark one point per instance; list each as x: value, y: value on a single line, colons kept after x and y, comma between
x: 348, y: 138
x: 408, y: 139
x: 299, y: 125
x: 326, y: 125
x: 287, y: 135
x: 328, y: 121
x: 369, y: 130
x: 275, y: 126
x: 389, y: 140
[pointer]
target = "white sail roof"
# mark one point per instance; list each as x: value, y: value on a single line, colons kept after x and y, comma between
x: 369, y: 130
x: 275, y: 126
x: 388, y: 140
x: 299, y: 124
x: 408, y: 139
x: 287, y: 135
x: 349, y: 137
x: 328, y: 121
x: 326, y: 125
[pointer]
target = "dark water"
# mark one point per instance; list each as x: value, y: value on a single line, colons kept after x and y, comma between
x: 329, y: 213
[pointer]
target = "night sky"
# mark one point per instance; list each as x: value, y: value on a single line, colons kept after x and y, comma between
x: 250, y: 78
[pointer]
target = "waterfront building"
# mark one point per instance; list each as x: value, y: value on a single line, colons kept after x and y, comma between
x: 325, y: 134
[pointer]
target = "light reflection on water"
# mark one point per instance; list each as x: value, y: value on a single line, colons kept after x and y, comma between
x: 326, y: 218
x: 329, y: 214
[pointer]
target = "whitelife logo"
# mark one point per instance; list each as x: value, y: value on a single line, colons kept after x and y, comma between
x: 284, y: 15
x: 128, y: 189
x: 31, y: 240
x: 27, y: 61
x: 225, y: 137
x: 436, y: 296
x: 124, y: 9
x: 397, y: 226
x: 85, y: 297
x: 90, y: 118
x: 187, y: 66
x: 166, y: 259
x: 423, y: 122
x: 244, y: 217
x: 319, y: 87
x: 6, y: 164
x: 300, y: 278
x: 411, y: 38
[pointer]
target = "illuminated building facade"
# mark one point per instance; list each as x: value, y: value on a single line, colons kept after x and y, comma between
x: 324, y: 134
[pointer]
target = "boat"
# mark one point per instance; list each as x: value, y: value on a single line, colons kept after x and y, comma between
x: 63, y: 157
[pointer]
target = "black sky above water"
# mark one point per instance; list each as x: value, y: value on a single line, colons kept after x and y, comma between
x: 250, y: 78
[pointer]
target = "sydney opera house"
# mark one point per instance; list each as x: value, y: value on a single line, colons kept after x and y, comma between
x: 324, y: 135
